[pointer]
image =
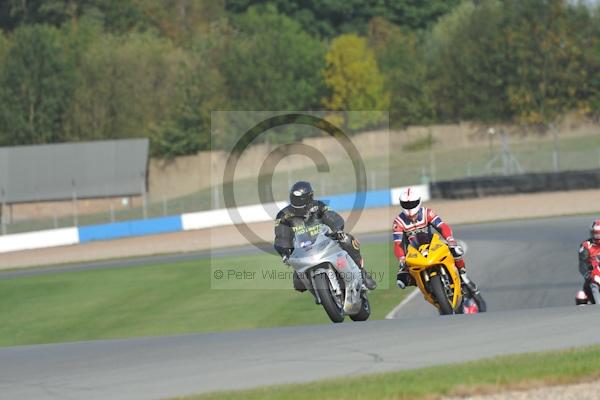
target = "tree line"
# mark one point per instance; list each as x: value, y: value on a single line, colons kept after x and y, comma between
x: 104, y: 69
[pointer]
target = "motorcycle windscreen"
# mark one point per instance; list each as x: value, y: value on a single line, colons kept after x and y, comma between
x: 419, y: 239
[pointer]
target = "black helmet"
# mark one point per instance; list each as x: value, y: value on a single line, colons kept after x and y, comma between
x: 301, y: 197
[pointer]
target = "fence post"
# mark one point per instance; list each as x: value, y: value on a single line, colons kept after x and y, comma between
x: 289, y: 178
x: 491, y: 132
x: 2, y: 214
x: 215, y: 193
x: 75, y: 211
x: 322, y: 185
x: 144, y: 200
x: 373, y: 180
x: 555, y: 155
x: 424, y: 178
x: 432, y: 174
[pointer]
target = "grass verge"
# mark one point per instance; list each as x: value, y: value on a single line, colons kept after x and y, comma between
x: 166, y: 299
x: 478, y: 377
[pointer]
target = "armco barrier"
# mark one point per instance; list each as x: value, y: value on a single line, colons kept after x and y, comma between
x: 516, y: 184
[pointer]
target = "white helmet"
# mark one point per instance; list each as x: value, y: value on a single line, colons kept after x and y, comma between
x: 410, y: 201
x: 595, y: 231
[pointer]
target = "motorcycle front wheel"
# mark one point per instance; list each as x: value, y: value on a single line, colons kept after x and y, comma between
x: 439, y: 293
x: 334, y: 310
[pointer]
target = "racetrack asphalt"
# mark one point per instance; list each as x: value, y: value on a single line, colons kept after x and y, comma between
x: 527, y: 271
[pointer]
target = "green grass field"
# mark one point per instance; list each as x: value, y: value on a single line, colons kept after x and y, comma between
x: 485, y: 376
x: 167, y: 299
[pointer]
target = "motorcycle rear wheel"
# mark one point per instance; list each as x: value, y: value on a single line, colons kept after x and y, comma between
x: 439, y: 293
x: 481, y: 304
x: 325, y: 292
x: 365, y: 311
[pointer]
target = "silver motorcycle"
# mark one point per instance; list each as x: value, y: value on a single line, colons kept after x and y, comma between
x: 330, y: 274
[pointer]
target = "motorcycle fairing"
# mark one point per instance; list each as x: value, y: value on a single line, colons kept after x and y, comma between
x: 429, y: 260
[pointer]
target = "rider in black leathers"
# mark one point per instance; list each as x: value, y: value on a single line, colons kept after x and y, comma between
x: 302, y: 209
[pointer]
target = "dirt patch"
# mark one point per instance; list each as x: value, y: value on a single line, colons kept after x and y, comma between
x: 371, y: 220
x: 581, y: 391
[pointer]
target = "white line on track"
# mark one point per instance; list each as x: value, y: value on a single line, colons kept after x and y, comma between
x: 392, y: 314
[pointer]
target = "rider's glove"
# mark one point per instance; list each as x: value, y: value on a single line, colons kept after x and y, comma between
x: 402, y: 277
x: 457, y: 251
x: 338, y: 235
x: 455, y: 248
x: 402, y: 263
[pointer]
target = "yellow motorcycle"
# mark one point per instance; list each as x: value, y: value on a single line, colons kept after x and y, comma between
x: 432, y: 268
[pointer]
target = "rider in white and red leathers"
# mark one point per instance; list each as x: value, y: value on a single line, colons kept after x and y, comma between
x: 589, y: 259
x: 413, y: 226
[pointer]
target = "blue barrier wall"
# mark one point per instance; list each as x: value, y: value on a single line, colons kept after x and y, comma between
x: 342, y: 202
x: 130, y: 228
x: 346, y: 202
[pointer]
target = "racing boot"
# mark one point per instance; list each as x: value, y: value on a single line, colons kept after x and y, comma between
x: 367, y: 280
x: 581, y: 298
x: 403, y: 279
x: 298, y: 284
x: 352, y: 247
x: 468, y: 286
x: 471, y: 290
